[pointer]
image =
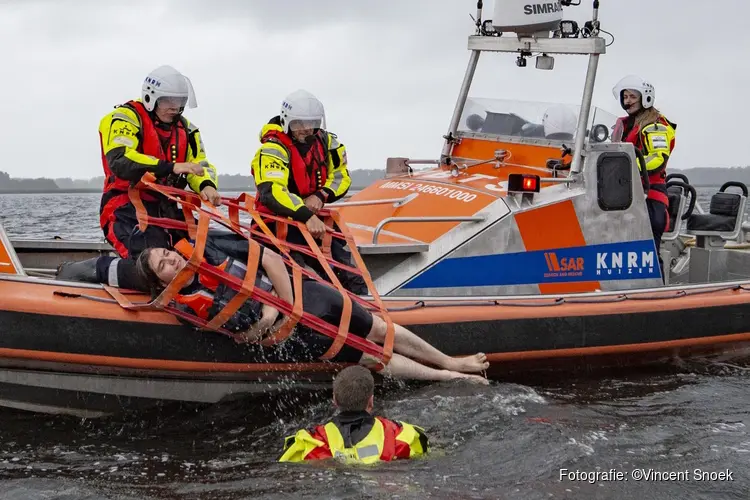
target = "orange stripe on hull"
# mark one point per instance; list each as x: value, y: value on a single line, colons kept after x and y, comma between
x: 165, y: 364
x: 38, y: 298
x: 550, y: 227
x: 197, y: 366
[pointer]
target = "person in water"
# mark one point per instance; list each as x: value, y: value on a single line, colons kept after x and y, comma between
x: 158, y: 267
x: 299, y: 167
x: 355, y: 434
x: 651, y: 133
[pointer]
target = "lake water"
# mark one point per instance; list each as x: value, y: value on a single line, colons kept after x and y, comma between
x: 501, y: 441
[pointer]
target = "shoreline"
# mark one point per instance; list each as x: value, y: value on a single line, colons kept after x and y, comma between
x: 233, y: 189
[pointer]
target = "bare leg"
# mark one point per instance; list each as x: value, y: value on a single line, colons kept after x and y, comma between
x: 405, y: 368
x: 408, y: 344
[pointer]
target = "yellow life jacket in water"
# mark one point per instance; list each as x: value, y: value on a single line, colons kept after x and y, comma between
x: 386, y: 440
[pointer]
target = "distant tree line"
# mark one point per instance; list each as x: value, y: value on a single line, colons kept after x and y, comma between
x: 701, y: 176
x: 8, y: 184
x: 227, y: 182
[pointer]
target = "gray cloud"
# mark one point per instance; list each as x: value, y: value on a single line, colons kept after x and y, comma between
x: 388, y: 72
x: 292, y: 15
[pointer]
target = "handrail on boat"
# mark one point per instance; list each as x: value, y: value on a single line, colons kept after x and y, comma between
x: 410, y: 161
x: 388, y: 220
x: 397, y: 202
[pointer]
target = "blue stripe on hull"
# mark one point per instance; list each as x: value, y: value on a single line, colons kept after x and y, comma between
x: 605, y: 262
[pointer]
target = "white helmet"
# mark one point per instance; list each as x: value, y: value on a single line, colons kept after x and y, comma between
x: 559, y: 122
x: 637, y: 84
x: 302, y: 105
x: 165, y: 81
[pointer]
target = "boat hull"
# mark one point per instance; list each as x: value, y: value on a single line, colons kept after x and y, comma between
x: 70, y: 354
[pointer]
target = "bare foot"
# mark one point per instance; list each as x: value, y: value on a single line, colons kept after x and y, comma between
x: 469, y: 364
x: 475, y: 379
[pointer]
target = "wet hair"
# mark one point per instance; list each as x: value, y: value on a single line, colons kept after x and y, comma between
x: 146, y: 274
x: 353, y: 387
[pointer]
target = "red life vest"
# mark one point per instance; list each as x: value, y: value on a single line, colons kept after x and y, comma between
x: 308, y: 173
x: 658, y: 178
x: 150, y: 143
x: 202, y: 299
x: 392, y: 448
x: 211, y: 296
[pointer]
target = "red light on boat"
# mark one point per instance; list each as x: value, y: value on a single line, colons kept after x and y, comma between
x: 523, y: 183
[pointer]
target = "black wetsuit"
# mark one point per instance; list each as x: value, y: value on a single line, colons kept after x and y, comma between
x: 322, y: 301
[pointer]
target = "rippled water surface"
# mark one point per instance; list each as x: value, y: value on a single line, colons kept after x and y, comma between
x: 501, y: 441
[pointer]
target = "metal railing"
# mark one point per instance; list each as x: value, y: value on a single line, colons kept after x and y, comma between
x: 388, y: 220
x: 410, y: 161
x: 397, y: 202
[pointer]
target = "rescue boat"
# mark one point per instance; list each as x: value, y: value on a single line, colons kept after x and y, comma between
x: 533, y: 247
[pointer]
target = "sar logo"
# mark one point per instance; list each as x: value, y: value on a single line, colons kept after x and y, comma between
x: 563, y: 266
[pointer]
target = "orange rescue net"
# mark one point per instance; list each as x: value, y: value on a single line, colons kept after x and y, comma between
x: 193, y: 207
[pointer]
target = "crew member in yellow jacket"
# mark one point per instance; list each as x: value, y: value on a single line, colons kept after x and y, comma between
x: 149, y: 134
x: 299, y: 167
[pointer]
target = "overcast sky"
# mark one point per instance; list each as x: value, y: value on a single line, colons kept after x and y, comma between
x: 388, y: 72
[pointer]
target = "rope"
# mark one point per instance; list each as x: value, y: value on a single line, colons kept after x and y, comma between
x: 536, y: 302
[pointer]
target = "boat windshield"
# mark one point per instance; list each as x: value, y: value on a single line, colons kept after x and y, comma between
x: 536, y: 120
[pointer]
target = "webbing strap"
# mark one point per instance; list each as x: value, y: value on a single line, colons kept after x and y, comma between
x: 295, y: 312
x: 390, y: 328
x: 248, y: 284
x: 343, y: 329
x: 327, y: 238
x: 191, y: 229
x: 217, y: 216
x: 297, y: 309
x: 281, y: 232
x: 346, y: 311
x: 286, y: 329
x: 313, y: 322
x: 191, y: 266
x: 140, y: 211
x: 190, y: 200
x: 285, y: 251
x: 123, y: 300
x: 342, y: 334
x: 234, y: 211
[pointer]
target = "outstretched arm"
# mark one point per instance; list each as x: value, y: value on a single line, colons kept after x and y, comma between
x: 275, y: 268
